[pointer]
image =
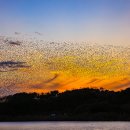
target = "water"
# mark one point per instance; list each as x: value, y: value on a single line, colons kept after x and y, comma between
x: 65, y: 126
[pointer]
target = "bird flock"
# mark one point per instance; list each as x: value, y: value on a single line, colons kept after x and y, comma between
x: 31, y: 60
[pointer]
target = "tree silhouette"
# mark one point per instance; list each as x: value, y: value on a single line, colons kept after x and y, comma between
x: 79, y: 104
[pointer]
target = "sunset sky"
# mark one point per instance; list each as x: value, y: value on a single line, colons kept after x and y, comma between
x: 64, y: 44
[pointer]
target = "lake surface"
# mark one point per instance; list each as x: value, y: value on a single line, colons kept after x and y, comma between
x: 65, y: 126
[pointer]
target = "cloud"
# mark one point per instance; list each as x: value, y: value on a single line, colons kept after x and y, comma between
x: 18, y: 43
x: 10, y: 40
x: 50, y: 80
x: 6, y: 66
x: 121, y: 86
x: 46, y: 84
x: 93, y: 81
x: 38, y: 33
x: 17, y: 33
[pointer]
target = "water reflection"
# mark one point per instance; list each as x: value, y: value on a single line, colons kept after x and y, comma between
x: 65, y: 126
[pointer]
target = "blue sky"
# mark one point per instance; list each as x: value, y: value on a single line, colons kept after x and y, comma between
x: 103, y: 21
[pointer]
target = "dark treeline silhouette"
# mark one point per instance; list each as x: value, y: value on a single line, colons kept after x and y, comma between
x: 86, y: 104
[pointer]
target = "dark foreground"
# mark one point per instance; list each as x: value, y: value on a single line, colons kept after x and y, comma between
x: 64, y: 125
x: 77, y: 105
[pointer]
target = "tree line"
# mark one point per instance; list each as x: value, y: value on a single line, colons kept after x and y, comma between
x: 87, y: 104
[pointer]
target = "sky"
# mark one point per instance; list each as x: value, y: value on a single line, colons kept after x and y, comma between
x: 61, y: 45
x: 100, y: 21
